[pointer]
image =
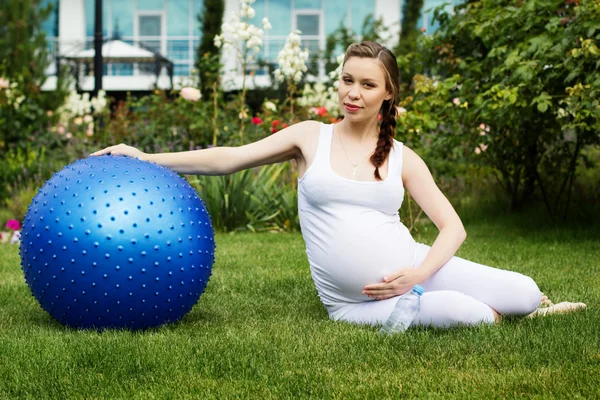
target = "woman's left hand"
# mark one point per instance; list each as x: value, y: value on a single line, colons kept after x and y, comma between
x: 395, y: 284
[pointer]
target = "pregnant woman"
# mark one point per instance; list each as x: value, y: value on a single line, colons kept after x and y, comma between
x: 352, y: 177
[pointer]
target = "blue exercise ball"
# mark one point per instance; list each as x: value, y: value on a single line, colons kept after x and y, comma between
x: 115, y: 242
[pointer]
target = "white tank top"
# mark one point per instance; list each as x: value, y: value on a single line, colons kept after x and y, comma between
x: 352, y: 229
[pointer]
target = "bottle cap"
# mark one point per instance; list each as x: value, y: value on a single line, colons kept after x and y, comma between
x: 419, y: 289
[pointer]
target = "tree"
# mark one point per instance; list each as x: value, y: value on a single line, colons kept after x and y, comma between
x: 23, y: 45
x: 409, y: 32
x: 207, y: 58
x: 24, y: 55
x: 519, y: 81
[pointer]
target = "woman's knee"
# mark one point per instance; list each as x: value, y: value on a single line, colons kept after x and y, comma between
x: 528, y: 294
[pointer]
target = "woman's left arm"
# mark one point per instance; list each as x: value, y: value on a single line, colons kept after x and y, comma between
x: 421, y: 186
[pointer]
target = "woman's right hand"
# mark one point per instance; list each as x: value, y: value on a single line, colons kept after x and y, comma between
x: 121, y: 150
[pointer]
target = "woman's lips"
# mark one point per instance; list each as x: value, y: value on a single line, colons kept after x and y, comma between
x: 351, y: 107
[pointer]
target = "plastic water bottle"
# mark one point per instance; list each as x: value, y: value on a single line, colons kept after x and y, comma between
x: 404, y: 313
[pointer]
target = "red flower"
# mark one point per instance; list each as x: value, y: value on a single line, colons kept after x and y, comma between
x: 256, y: 121
x: 276, y: 123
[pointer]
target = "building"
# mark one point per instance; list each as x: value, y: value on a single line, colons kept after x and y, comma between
x: 171, y: 28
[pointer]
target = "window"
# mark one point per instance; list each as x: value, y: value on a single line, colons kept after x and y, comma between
x: 168, y: 27
x: 150, y: 25
x: 149, y: 30
x: 310, y: 23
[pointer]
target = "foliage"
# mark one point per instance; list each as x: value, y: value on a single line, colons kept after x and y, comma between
x: 517, y: 82
x: 158, y: 123
x: 22, y: 117
x: 19, y: 200
x: 22, y: 167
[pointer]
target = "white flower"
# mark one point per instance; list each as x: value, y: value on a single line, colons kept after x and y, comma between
x: 190, y: 93
x: 292, y: 59
x: 266, y: 24
x: 269, y: 105
x: 98, y: 103
x: 456, y: 101
x: 238, y: 28
x: 400, y: 110
x: 218, y: 41
x: 4, y: 83
x: 78, y: 106
x: 88, y: 118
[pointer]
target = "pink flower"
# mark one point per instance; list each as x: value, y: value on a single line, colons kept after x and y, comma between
x: 481, y: 147
x: 256, y: 121
x: 190, y: 93
x: 400, y: 110
x: 456, y: 101
x: 320, y: 111
x: 13, y: 224
x: 4, y: 83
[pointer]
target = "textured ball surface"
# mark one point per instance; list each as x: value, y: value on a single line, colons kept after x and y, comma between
x: 115, y: 242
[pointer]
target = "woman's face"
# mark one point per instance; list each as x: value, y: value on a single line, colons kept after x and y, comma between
x: 362, y: 88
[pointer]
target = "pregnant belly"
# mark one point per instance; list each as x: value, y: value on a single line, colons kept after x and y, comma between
x: 357, y: 258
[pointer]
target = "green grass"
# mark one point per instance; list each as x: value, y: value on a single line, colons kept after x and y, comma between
x: 259, y: 331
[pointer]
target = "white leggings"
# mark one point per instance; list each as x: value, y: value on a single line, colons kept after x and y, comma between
x: 460, y: 292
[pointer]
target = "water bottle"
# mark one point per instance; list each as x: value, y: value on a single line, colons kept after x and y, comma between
x: 404, y: 313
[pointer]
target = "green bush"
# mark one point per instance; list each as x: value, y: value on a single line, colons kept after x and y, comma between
x: 513, y: 85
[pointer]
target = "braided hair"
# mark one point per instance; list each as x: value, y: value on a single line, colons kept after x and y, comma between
x: 388, y: 111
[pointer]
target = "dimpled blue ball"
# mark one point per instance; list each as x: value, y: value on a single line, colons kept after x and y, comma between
x: 115, y: 242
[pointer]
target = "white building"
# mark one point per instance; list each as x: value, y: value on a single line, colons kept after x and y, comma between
x: 171, y: 28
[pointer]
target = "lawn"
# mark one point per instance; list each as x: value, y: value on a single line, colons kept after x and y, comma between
x: 259, y: 331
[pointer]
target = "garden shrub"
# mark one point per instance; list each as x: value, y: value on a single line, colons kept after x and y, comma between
x: 514, y: 85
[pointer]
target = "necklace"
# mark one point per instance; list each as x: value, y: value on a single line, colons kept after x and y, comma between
x: 354, y: 166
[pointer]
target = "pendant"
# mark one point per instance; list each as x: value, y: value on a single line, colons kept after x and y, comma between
x: 354, y: 170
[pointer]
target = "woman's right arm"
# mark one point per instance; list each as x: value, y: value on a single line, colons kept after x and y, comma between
x: 282, y: 146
